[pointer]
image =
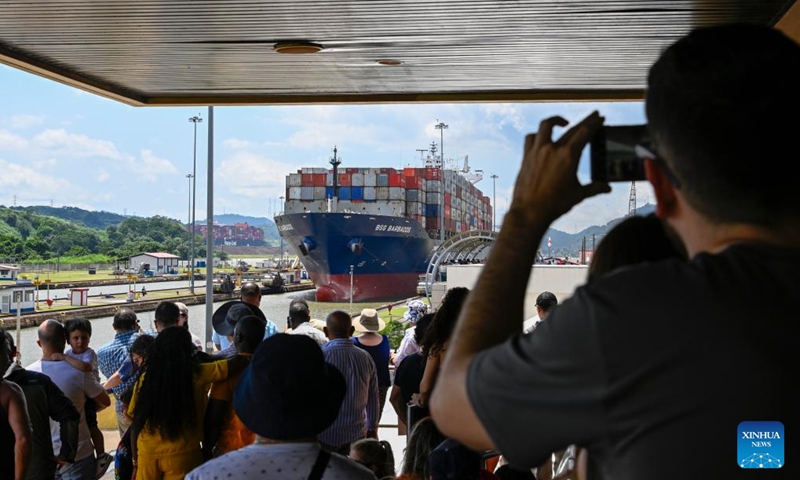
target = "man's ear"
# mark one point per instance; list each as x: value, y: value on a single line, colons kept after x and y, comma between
x: 325, y: 331
x: 39, y: 342
x: 664, y: 190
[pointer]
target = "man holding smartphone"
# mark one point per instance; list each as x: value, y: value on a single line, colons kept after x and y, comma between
x: 649, y: 393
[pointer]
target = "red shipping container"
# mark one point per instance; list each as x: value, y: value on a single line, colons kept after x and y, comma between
x: 320, y: 179
x: 447, y: 210
x: 397, y: 180
x: 433, y: 174
x: 432, y: 223
x: 459, y: 192
x: 450, y: 225
x: 307, y: 180
x: 447, y: 199
x: 345, y: 180
x: 409, y: 172
x: 414, y: 183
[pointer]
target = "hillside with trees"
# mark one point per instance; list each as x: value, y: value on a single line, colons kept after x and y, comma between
x: 27, y: 236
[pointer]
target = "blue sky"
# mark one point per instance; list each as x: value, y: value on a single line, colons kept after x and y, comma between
x: 73, y: 148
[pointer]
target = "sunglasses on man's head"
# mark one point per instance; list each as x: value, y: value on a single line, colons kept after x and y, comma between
x: 645, y: 152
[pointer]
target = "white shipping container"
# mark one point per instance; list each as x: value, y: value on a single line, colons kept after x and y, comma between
x: 370, y: 179
x: 358, y: 180
x: 294, y: 193
x: 329, y: 181
x: 294, y: 180
x: 433, y: 185
x: 433, y: 198
x: 319, y: 193
x: 370, y: 193
x: 306, y: 193
x: 319, y: 170
x: 382, y: 193
x: 397, y: 193
x: 307, y: 170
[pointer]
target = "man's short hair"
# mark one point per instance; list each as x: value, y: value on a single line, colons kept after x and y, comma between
x: 713, y: 103
x: 167, y: 314
x: 250, y: 289
x: 299, y: 311
x: 52, y: 333
x: 546, y: 301
x: 125, y: 319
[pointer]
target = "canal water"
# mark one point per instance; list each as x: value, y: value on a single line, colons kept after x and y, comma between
x: 275, y: 307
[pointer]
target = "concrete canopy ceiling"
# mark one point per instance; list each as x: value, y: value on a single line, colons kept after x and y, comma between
x: 221, y: 52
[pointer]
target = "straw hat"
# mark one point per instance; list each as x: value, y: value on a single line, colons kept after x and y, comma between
x: 368, y: 321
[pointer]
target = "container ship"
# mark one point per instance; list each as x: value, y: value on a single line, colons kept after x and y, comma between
x: 367, y: 233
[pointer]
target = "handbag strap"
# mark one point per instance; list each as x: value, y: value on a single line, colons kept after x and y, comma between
x: 319, y: 466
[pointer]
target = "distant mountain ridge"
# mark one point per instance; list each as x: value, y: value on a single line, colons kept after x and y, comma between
x: 99, y: 220
x: 569, y: 244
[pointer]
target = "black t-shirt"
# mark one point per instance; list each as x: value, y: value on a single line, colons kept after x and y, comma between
x: 652, y: 368
x: 409, y: 375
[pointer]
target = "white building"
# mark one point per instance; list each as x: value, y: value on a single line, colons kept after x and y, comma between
x: 22, y: 294
x: 8, y: 272
x: 160, y: 262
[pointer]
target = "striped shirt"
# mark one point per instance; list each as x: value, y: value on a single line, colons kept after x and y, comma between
x: 361, y: 409
x: 110, y: 358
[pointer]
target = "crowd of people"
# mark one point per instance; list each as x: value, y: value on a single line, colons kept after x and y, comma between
x: 610, y: 383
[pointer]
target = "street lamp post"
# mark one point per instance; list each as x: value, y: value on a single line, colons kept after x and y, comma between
x: 350, y: 311
x: 188, y: 227
x: 195, y: 120
x: 441, y: 127
x: 494, y: 199
x: 280, y: 267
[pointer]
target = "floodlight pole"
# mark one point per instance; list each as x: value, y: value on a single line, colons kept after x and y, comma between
x: 441, y: 127
x: 195, y: 120
x: 494, y: 199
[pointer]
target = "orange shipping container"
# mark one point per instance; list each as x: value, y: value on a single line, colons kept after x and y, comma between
x: 345, y: 180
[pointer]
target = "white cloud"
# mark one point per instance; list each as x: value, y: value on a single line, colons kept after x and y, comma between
x: 150, y: 167
x: 9, y: 141
x: 236, y: 143
x: 26, y: 121
x: 46, y: 164
x: 252, y: 176
x: 502, y: 114
x: 22, y: 177
x: 102, y: 176
x: 72, y: 145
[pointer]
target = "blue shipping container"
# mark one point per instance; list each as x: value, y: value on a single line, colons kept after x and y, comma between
x: 328, y: 192
x: 357, y: 193
x: 344, y: 193
x: 432, y: 211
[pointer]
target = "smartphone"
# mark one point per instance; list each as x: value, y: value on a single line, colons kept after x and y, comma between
x: 613, y: 156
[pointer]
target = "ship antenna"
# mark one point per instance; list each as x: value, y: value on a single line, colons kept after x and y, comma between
x: 335, y: 162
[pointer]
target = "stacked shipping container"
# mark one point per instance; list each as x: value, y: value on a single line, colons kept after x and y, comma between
x: 421, y: 191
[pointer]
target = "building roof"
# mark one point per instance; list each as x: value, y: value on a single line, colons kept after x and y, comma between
x: 185, y: 52
x: 158, y: 255
x: 4, y: 266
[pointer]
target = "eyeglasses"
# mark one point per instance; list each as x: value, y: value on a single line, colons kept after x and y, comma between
x: 645, y: 152
x: 185, y: 314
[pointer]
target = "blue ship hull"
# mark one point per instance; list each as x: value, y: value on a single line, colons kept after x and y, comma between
x: 387, y: 253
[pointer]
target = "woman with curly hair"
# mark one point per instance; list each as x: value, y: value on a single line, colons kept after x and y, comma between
x: 168, y: 405
x: 437, y: 337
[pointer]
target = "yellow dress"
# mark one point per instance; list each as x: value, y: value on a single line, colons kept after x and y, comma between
x: 162, y: 459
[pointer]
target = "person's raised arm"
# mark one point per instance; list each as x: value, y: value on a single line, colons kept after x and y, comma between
x: 546, y: 187
x: 113, y: 381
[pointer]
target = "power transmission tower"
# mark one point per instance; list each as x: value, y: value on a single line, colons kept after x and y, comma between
x: 632, y: 200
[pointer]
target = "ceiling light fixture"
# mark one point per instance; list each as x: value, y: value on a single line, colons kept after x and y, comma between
x: 389, y: 62
x: 297, y: 47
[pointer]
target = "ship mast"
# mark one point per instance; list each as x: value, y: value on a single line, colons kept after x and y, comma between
x: 335, y: 162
